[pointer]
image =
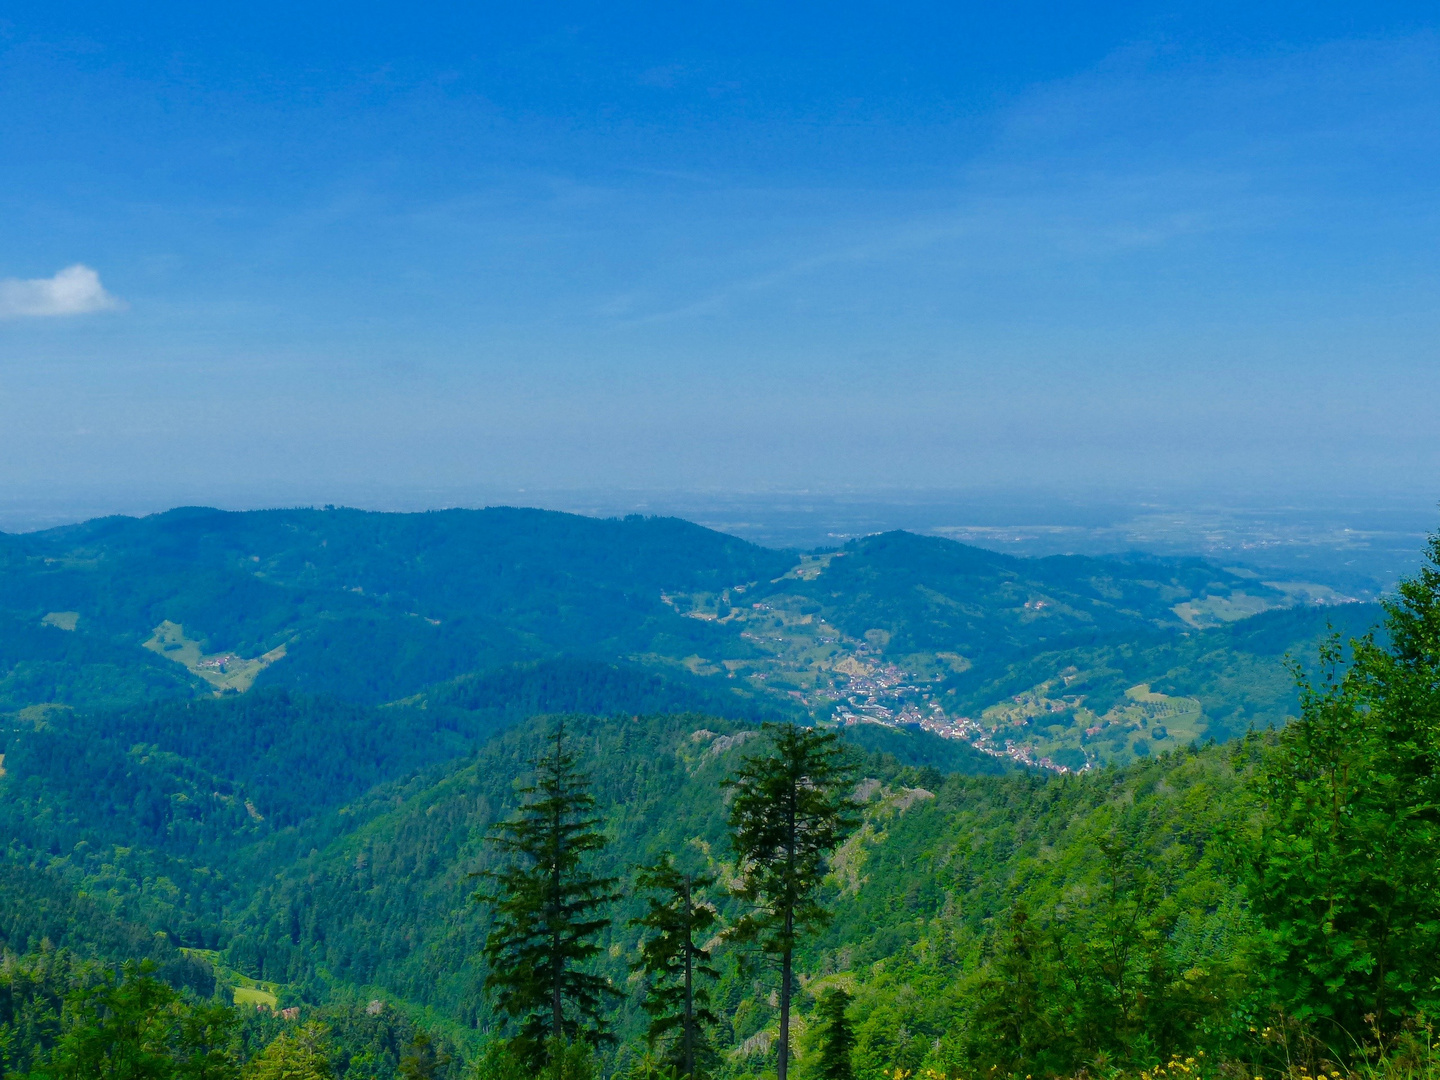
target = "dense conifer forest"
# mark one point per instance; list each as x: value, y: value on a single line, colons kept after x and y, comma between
x: 316, y: 794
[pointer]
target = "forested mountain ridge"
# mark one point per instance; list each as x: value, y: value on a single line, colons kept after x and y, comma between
x: 290, y: 775
x: 375, y: 903
x: 382, y: 904
x: 339, y: 890
x: 932, y: 594
x: 375, y: 608
x: 388, y: 905
x: 40, y: 912
x: 173, y: 810
x: 916, y: 893
x: 1123, y: 697
x: 379, y: 905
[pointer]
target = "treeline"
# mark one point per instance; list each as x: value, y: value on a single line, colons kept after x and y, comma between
x: 1262, y: 908
x: 65, y: 1018
x: 374, y: 607
x: 41, y: 913
x: 178, y: 809
x: 1271, y: 907
x: 790, y: 808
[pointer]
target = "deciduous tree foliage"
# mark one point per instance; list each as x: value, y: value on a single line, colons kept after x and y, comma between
x: 135, y: 1027
x: 297, y: 1055
x: 423, y: 1060
x: 1344, y: 871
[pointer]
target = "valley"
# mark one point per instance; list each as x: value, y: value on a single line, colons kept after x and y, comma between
x: 224, y: 671
x: 895, y: 630
x: 265, y: 751
x: 857, y: 678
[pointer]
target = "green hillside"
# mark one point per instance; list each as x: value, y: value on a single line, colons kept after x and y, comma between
x: 262, y: 753
x: 370, y: 893
x: 45, y: 663
x: 39, y: 912
x: 372, y: 607
x: 1122, y: 698
x: 894, y: 629
x: 173, y: 810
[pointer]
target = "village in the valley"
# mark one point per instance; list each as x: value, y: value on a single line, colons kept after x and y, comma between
x: 884, y: 694
x: 850, y: 681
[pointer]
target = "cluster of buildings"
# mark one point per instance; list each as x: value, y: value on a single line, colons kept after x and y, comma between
x: 882, y: 696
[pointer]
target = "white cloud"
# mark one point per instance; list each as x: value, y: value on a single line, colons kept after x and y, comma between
x: 76, y: 290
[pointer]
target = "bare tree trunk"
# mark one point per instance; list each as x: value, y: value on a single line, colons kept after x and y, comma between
x: 558, y: 1011
x: 689, y: 988
x: 784, y: 1063
x: 789, y: 956
x: 558, y: 966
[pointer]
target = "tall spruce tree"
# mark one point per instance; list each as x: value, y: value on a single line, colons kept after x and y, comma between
x: 548, y: 906
x: 791, y: 809
x: 676, y: 998
x: 837, y: 1038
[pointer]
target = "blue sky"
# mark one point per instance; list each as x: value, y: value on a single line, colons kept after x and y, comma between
x: 725, y: 247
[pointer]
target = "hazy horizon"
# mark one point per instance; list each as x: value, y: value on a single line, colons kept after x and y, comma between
x: 1361, y: 544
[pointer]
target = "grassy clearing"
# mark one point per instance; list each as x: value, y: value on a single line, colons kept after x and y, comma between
x: 248, y: 992
x: 255, y: 997
x: 40, y: 714
x: 1210, y: 611
x: 811, y: 566
x: 1058, y: 726
x: 62, y: 620
x: 224, y: 671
